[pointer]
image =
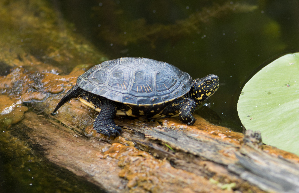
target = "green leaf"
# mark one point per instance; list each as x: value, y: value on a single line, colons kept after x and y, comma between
x: 269, y: 102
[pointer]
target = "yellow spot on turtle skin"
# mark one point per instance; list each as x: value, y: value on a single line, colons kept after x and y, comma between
x: 208, y: 94
x: 199, y: 98
x: 130, y: 113
x: 152, y: 111
x: 174, y: 104
x: 157, y: 116
x: 120, y: 112
x: 89, y: 104
x: 141, y: 112
x: 125, y: 113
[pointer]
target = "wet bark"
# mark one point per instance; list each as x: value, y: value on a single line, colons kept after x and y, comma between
x: 151, y: 156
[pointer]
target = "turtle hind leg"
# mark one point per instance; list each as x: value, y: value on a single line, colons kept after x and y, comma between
x: 104, y: 122
x: 72, y: 93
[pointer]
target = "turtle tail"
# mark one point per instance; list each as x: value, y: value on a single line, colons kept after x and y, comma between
x: 72, y: 93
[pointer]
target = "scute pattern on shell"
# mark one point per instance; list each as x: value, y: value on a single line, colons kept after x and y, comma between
x: 136, y: 81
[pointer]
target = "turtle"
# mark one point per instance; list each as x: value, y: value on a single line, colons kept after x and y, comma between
x: 136, y: 87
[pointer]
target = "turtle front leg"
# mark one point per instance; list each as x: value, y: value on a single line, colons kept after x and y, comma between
x: 104, y: 122
x: 186, y: 109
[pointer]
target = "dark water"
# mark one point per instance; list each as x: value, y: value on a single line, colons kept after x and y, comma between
x: 232, y: 39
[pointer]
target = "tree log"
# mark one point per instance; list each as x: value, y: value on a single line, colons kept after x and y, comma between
x: 161, y: 155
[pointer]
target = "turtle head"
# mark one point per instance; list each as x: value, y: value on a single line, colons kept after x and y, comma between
x: 203, y: 88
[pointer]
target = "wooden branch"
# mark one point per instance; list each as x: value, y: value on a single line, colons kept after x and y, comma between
x: 162, y: 155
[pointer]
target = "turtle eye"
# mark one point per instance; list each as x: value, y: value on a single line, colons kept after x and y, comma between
x: 208, y: 82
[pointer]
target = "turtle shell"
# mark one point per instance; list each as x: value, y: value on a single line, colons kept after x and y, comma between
x: 136, y: 81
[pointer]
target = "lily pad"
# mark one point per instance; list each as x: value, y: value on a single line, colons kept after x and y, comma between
x: 269, y: 102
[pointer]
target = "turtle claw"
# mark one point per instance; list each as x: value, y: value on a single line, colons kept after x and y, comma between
x: 191, y: 121
x: 108, y: 130
x: 113, y: 131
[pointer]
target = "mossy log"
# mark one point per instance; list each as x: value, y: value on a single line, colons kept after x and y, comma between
x: 163, y: 155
